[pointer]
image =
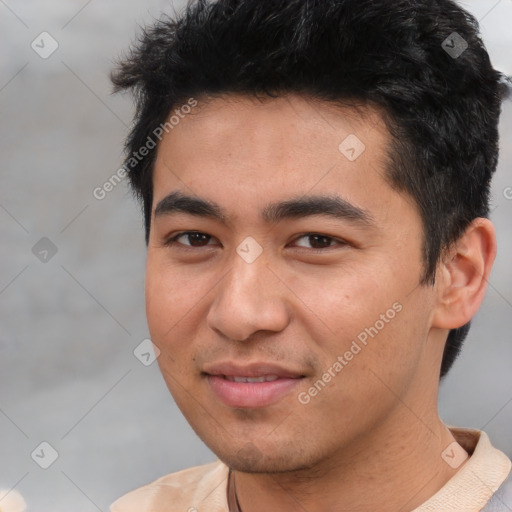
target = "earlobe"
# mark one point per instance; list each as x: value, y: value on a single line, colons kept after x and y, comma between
x: 463, y: 275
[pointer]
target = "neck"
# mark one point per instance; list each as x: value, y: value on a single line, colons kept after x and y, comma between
x: 390, y: 469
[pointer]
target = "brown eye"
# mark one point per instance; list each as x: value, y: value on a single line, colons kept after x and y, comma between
x: 190, y: 239
x: 198, y: 239
x: 316, y: 241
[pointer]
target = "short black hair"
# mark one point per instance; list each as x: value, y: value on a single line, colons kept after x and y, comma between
x: 421, y: 62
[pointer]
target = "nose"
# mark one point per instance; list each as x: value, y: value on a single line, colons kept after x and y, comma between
x: 250, y: 298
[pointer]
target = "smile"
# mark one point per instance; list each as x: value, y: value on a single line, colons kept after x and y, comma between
x: 254, y: 385
x: 264, y: 378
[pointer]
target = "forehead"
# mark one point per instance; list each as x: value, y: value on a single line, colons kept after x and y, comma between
x: 276, y: 124
x: 247, y: 151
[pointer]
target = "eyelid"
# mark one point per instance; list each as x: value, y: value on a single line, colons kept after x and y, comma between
x: 171, y: 240
x: 337, y: 240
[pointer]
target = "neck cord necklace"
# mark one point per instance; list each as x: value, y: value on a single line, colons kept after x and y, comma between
x: 233, y: 504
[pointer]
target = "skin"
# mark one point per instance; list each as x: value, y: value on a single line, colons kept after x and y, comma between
x: 371, y: 439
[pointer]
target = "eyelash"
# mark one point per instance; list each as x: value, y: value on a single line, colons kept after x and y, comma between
x: 172, y: 240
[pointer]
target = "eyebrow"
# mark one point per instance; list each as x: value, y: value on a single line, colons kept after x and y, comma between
x: 304, y: 206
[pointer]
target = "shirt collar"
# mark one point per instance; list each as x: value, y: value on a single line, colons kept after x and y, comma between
x: 476, y: 481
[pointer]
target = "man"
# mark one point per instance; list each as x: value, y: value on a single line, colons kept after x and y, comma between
x: 315, y: 179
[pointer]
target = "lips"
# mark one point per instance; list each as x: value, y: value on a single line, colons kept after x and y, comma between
x: 254, y: 385
x: 263, y: 378
x: 256, y: 369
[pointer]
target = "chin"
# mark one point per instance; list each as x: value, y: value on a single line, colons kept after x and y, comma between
x: 263, y: 466
x: 266, y: 466
x: 251, y: 459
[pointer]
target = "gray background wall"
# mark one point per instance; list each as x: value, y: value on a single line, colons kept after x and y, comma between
x: 71, y: 321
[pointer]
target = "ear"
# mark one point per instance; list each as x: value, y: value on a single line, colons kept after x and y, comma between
x: 462, y: 275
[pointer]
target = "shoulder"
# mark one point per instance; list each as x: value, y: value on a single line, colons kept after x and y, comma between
x: 194, y: 489
x: 501, y: 500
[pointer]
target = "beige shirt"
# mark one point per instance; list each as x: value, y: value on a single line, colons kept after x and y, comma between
x: 203, y: 488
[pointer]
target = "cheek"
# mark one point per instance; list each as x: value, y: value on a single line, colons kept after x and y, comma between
x: 173, y: 302
x: 342, y: 303
x: 370, y: 319
x: 172, y: 296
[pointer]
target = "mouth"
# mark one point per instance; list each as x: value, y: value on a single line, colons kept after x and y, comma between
x: 263, y: 378
x: 251, y: 386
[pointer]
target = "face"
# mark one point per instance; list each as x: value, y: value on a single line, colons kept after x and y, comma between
x: 282, y: 283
